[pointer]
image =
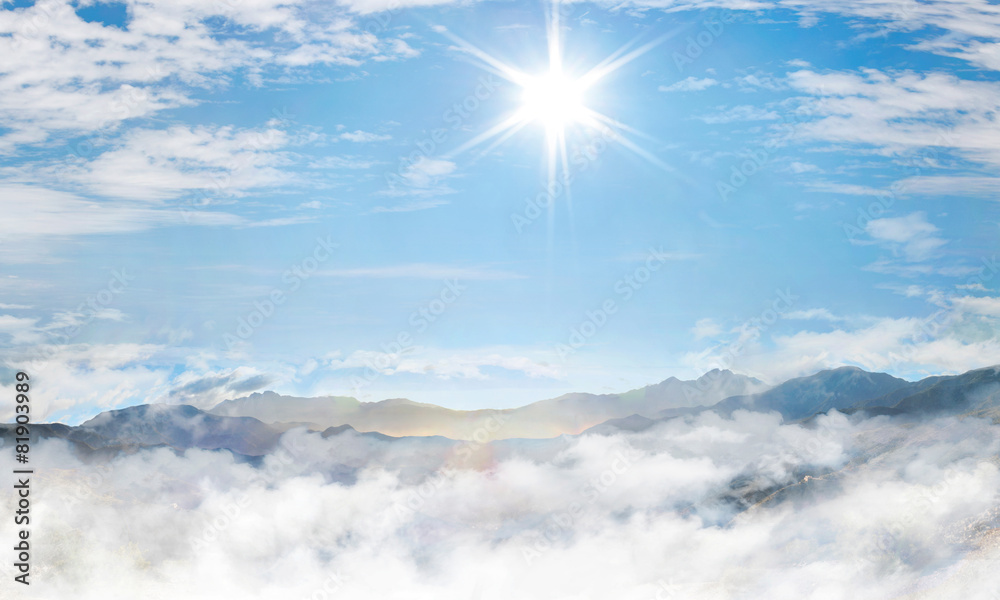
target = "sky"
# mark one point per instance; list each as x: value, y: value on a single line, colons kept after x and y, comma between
x: 203, y: 200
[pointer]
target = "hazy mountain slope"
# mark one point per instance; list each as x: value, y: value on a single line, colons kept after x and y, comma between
x: 182, y: 427
x: 395, y: 417
x: 708, y: 389
x: 805, y: 396
x: 976, y: 393
x: 837, y: 388
x: 632, y: 423
x: 569, y: 413
x: 271, y: 407
x: 86, y: 444
x: 894, y: 397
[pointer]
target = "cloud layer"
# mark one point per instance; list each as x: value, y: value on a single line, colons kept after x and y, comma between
x: 695, y: 509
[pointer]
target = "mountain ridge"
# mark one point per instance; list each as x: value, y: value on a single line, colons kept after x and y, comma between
x: 569, y: 413
x: 847, y: 389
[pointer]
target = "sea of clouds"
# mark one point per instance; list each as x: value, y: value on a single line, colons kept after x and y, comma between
x: 697, y: 508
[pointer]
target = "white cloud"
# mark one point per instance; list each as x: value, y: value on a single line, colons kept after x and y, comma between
x: 899, y: 113
x: 411, y: 206
x: 758, y: 81
x: 396, y: 49
x: 424, y: 361
x: 363, y: 137
x: 911, y: 235
x: 367, y: 7
x: 38, y: 218
x: 973, y: 287
x: 205, y: 389
x: 162, y: 164
x: 89, y: 376
x: 744, y: 112
x: 965, y: 29
x: 818, y: 314
x: 893, y: 267
x: 801, y: 167
x: 342, y: 162
x: 427, y: 171
x: 22, y: 330
x: 691, y: 84
x: 64, y: 75
x: 706, y: 328
x: 845, y: 188
x: 683, y: 510
x: 987, y: 306
x: 943, y: 185
x: 425, y: 178
x: 955, y: 339
x: 422, y: 271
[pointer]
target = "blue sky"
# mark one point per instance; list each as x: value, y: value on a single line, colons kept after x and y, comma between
x: 791, y: 186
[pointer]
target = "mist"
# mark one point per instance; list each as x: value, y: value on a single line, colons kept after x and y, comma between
x: 705, y: 507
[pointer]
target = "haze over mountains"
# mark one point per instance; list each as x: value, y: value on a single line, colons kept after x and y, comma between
x: 567, y: 414
x: 853, y: 390
x: 252, y: 426
x: 848, y: 389
x: 840, y: 389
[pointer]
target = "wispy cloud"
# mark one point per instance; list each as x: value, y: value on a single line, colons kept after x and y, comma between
x: 410, y: 206
x: 912, y: 236
x: 363, y: 137
x: 423, y: 271
x: 37, y: 217
x: 423, y: 361
x: 944, y: 185
x: 812, y: 314
x: 744, y: 112
x: 691, y: 84
x: 64, y: 74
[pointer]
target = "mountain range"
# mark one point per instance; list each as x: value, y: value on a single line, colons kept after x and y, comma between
x: 252, y: 426
x: 567, y: 414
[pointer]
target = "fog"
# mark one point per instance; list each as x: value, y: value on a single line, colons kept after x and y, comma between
x: 700, y: 508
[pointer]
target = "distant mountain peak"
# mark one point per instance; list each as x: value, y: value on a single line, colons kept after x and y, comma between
x: 716, y: 371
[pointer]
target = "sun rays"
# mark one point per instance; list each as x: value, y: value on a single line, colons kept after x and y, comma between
x: 556, y: 100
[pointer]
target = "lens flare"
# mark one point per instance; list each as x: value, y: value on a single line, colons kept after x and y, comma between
x: 554, y: 100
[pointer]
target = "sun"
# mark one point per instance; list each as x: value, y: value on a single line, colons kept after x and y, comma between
x: 554, y: 100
